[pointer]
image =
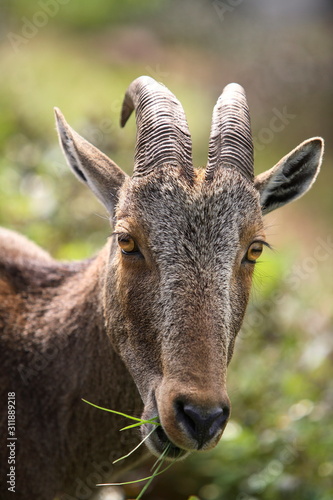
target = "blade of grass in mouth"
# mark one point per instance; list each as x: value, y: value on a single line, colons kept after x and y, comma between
x: 157, y: 472
x: 156, y: 468
x: 134, y: 449
x: 139, y: 421
x: 158, y: 464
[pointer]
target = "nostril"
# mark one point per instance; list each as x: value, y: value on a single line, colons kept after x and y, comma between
x: 225, y: 412
x: 189, y: 417
x: 202, y: 424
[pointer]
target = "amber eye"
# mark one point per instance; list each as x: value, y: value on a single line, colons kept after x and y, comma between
x: 254, y: 251
x: 127, y: 244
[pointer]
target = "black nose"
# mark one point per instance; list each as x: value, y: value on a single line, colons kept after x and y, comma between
x: 202, y: 424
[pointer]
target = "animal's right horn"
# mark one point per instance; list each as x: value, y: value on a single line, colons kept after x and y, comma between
x: 163, y: 136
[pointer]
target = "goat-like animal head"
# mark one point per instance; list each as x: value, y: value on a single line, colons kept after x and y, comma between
x: 185, y: 244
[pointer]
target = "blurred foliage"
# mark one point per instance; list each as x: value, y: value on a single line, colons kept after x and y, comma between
x: 80, y: 15
x: 81, y: 58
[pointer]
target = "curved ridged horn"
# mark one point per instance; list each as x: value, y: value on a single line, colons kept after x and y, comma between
x: 163, y: 136
x: 230, y: 142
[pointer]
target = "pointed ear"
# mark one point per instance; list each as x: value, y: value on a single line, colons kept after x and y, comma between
x: 291, y: 177
x: 90, y: 165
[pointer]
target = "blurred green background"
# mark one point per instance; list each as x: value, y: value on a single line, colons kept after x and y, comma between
x: 81, y: 55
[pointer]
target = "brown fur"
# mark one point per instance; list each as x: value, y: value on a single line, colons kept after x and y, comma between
x: 51, y: 369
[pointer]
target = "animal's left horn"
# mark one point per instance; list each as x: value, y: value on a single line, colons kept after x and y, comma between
x: 230, y: 143
x: 163, y: 136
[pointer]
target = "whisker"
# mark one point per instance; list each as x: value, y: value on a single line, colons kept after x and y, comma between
x: 102, y: 216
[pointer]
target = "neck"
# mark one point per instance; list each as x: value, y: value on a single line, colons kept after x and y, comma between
x: 99, y: 375
x: 81, y: 330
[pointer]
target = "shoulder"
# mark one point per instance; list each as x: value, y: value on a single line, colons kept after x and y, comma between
x: 15, y: 248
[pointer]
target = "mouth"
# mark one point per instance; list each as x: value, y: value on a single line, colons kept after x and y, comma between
x: 159, y: 443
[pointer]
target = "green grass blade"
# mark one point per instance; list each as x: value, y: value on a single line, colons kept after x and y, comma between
x: 134, y: 449
x: 150, y: 421
x: 137, y: 480
x: 139, y: 421
x: 116, y: 412
x: 159, y: 462
x: 161, y: 458
x: 146, y: 486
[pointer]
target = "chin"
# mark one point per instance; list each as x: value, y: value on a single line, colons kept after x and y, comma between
x: 159, y: 441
